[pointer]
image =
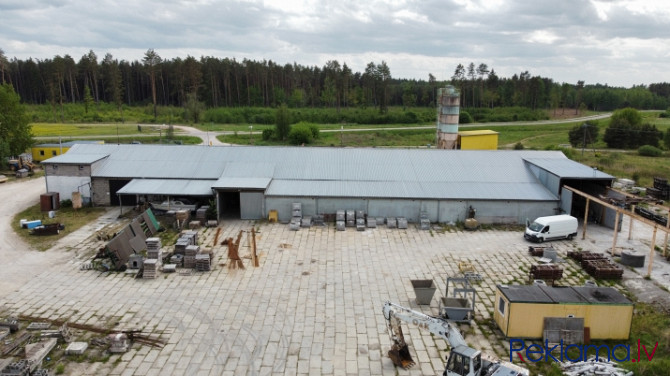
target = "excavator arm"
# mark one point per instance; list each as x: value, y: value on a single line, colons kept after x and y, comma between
x: 463, y: 360
x: 399, y: 352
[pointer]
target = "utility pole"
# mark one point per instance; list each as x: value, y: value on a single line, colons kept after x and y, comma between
x: 584, y: 126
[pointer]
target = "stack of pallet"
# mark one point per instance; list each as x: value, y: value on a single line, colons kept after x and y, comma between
x: 536, y: 251
x: 546, y: 271
x: 402, y: 222
x: 391, y: 222
x: 602, y: 269
x: 180, y: 246
x: 192, y: 236
x: 190, y: 256
x: 150, y: 269
x: 340, y: 220
x: 296, y: 216
x: 424, y: 222
x: 202, y: 262
x: 585, y: 256
x: 351, y: 218
x: 201, y: 214
x: 154, y: 248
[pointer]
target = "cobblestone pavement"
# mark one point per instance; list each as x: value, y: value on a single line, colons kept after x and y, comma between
x: 312, y: 307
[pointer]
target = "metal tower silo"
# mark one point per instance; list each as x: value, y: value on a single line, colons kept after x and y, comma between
x: 449, y: 101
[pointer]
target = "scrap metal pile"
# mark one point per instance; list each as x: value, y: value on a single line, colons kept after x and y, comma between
x: 597, y: 265
x: 594, y: 366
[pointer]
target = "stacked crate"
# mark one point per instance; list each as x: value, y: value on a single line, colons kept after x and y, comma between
x: 402, y: 222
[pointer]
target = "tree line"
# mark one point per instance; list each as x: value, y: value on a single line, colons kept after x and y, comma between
x: 226, y: 82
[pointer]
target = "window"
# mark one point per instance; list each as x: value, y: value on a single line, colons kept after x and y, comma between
x: 545, y: 230
x: 54, y: 167
x: 42, y: 152
x: 54, y: 153
x: 501, y: 306
x: 81, y: 167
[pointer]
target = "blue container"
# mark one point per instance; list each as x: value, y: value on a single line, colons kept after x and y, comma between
x: 32, y: 224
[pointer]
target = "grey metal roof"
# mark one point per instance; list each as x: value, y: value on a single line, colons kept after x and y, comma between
x: 170, y: 187
x: 241, y: 183
x: 68, y: 158
x: 342, y: 172
x: 567, y: 168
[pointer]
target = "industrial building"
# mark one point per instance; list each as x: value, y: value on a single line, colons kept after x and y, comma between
x: 520, y: 310
x: 247, y: 181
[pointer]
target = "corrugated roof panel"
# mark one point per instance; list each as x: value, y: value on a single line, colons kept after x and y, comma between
x: 241, y: 183
x: 171, y: 187
x: 249, y: 169
x: 567, y: 168
x: 68, y: 158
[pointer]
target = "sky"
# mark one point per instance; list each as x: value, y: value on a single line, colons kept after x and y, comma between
x: 614, y: 42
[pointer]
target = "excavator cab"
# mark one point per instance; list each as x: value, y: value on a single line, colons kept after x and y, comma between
x: 463, y: 361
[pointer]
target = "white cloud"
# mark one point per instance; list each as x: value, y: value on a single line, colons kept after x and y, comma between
x: 621, y: 42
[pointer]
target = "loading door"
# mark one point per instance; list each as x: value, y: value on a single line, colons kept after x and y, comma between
x: 251, y: 205
x: 566, y: 201
x: 115, y: 186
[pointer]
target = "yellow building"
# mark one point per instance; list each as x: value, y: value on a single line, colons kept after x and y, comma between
x: 45, y: 151
x: 478, y: 140
x: 520, y: 310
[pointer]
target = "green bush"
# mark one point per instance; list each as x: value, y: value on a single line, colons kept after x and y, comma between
x: 518, y: 146
x: 300, y: 134
x: 268, y: 134
x: 649, y: 151
x: 465, y: 118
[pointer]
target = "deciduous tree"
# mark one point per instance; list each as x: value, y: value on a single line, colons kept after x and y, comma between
x: 15, y: 132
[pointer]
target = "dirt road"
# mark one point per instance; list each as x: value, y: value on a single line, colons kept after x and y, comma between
x: 19, y: 262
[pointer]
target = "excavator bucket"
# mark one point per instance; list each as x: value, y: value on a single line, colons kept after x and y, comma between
x: 400, y: 356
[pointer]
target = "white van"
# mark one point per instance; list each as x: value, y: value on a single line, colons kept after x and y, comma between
x: 552, y: 227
